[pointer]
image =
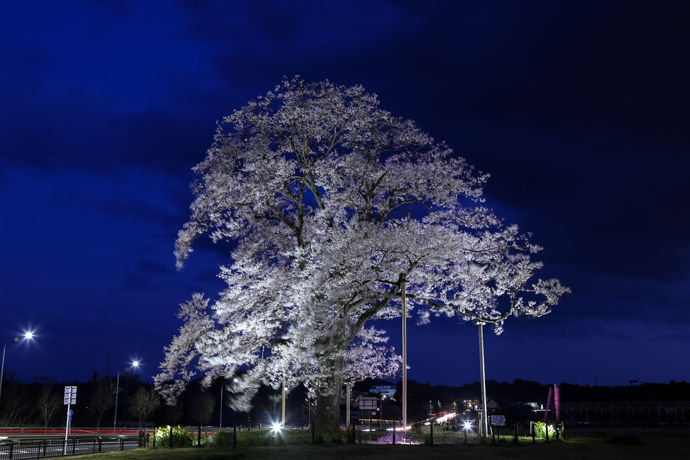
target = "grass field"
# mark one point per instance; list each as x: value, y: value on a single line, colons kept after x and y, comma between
x: 657, y: 444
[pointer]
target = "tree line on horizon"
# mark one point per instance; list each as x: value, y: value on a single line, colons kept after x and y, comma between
x: 530, y: 391
x: 40, y: 403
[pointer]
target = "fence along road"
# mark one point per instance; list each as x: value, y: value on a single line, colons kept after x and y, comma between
x: 33, y: 431
x: 32, y: 448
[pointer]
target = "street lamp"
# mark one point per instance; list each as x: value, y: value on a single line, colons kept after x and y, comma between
x: 483, y: 422
x: 404, y: 357
x: 117, y: 388
x: 220, y: 423
x: 28, y: 335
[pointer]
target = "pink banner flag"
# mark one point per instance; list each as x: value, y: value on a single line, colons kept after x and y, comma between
x: 557, y: 401
x: 548, y: 403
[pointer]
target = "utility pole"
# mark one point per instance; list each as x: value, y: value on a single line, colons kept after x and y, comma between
x: 632, y: 392
x: 484, y: 426
x: 404, y: 357
x: 283, y: 422
x: 347, y: 404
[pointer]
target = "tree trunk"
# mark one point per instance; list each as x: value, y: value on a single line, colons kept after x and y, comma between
x: 327, y: 416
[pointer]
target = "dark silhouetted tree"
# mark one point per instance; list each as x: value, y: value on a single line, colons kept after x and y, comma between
x: 102, y: 398
x: 144, y: 403
x: 48, y: 403
x: 202, y: 407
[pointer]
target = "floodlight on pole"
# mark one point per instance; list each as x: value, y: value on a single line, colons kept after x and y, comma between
x: 483, y: 423
x: 117, y: 388
x: 27, y: 335
x: 404, y: 357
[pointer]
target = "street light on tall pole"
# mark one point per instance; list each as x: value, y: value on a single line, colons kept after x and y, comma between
x: 403, y: 288
x: 117, y: 388
x: 220, y: 423
x: 483, y: 424
x: 28, y: 335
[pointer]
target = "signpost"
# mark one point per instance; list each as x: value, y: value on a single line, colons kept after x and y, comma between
x: 69, y: 399
x: 498, y: 420
x: 368, y: 403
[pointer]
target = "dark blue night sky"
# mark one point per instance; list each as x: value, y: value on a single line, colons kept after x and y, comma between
x: 579, y: 110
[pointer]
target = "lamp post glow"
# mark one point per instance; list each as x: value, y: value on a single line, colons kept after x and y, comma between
x: 117, y: 388
x: 28, y: 335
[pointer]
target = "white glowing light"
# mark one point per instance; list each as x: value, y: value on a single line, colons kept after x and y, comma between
x: 276, y: 427
x: 468, y: 425
x: 28, y: 335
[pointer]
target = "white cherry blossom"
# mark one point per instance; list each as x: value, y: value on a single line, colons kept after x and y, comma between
x: 330, y: 203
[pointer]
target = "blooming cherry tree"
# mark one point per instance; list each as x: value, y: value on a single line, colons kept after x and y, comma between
x: 332, y: 205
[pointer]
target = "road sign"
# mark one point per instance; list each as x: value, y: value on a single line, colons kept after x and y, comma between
x: 498, y: 420
x: 368, y: 402
x: 69, y: 399
x: 70, y: 395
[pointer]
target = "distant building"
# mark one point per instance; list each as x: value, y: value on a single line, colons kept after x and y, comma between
x: 387, y: 391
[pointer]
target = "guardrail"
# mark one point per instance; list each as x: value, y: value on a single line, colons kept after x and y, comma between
x: 34, y: 431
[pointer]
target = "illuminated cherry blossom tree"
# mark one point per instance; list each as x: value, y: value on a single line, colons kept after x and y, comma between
x: 368, y: 358
x: 330, y: 203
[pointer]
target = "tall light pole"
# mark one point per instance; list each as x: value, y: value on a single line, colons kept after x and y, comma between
x: 282, y: 423
x: 484, y: 426
x: 28, y: 335
x: 347, y: 404
x: 404, y: 358
x: 117, y: 388
x: 220, y: 424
